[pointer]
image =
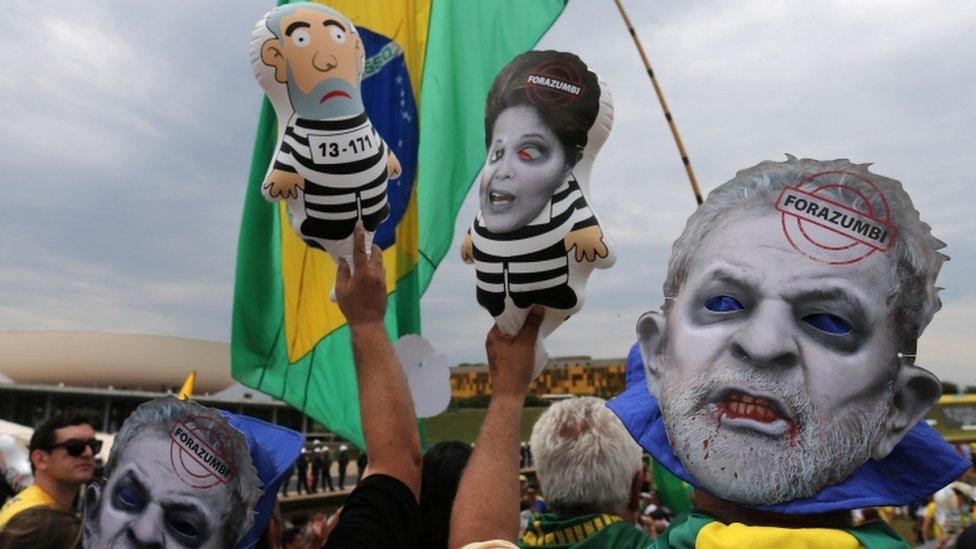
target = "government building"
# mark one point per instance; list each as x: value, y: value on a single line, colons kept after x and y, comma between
x: 564, y: 376
x: 107, y: 375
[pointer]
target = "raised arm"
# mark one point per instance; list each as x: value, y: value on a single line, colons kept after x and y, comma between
x: 486, y: 506
x: 389, y: 424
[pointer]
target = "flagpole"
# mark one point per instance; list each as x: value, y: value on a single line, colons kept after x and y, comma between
x: 664, y: 104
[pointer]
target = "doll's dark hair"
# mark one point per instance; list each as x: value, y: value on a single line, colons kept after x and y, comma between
x: 560, y: 87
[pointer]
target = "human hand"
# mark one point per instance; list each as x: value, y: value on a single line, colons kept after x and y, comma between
x: 283, y: 184
x: 467, y: 249
x: 511, y: 360
x: 588, y: 243
x: 321, y: 526
x: 361, y: 294
x: 393, y: 169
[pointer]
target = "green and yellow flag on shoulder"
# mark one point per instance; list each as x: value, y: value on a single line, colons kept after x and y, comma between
x: 429, y: 64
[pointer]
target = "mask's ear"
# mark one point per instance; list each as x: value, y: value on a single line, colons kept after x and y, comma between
x: 650, y: 337
x: 272, y: 56
x: 90, y: 508
x: 916, y: 391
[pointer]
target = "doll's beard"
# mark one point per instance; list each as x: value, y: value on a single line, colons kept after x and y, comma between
x: 751, y: 468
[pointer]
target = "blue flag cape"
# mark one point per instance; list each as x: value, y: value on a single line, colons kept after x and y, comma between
x: 274, y: 450
x: 921, y: 464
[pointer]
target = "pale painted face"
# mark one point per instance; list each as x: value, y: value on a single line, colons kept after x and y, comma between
x: 525, y: 165
x: 145, y: 503
x: 776, y: 372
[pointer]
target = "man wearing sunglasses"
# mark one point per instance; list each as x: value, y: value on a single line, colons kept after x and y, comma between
x: 62, y: 455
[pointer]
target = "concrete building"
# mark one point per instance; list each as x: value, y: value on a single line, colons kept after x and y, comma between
x: 568, y: 375
x: 109, y: 374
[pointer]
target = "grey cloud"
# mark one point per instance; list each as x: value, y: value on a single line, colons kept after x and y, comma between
x: 749, y: 81
x: 128, y: 129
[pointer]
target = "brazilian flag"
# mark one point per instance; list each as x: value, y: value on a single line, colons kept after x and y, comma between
x: 429, y: 64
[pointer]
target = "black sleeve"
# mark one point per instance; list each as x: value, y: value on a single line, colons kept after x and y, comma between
x: 279, y: 165
x: 381, y: 512
x: 581, y: 204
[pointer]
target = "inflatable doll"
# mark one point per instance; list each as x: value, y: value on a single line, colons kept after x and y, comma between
x: 330, y: 165
x: 536, y: 238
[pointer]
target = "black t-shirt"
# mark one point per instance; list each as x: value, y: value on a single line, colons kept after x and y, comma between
x: 380, y: 513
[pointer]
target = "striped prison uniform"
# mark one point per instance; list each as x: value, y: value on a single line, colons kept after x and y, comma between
x: 344, y: 166
x: 531, y: 264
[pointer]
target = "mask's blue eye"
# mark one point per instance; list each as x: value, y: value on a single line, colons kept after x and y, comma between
x: 130, y: 497
x: 723, y: 304
x: 831, y: 324
x: 183, y: 527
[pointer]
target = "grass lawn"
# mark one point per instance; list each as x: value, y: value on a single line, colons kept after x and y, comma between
x: 464, y: 424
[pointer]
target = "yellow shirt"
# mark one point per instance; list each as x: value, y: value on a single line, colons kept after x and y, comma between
x: 930, y: 514
x: 717, y: 535
x: 32, y: 496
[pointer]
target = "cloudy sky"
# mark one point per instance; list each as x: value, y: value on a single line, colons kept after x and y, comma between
x: 127, y: 134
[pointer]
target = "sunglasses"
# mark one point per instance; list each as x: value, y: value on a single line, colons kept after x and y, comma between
x: 76, y: 446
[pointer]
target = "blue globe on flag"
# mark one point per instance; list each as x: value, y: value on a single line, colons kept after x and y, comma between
x: 388, y: 98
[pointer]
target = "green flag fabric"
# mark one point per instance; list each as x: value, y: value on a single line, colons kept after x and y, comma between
x: 470, y: 42
x: 429, y: 64
x: 674, y: 492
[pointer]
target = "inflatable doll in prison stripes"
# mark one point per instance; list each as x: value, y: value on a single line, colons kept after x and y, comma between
x: 536, y: 238
x: 330, y: 165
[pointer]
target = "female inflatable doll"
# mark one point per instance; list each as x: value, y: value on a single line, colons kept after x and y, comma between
x: 536, y: 239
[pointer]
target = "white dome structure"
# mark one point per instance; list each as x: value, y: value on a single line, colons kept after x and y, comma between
x: 100, y: 359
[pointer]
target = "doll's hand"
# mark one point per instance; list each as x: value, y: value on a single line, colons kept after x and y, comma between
x: 467, y: 249
x: 282, y: 184
x: 588, y: 243
x: 393, y: 169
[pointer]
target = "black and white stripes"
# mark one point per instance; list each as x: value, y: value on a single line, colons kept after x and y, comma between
x: 344, y: 164
x: 531, y: 264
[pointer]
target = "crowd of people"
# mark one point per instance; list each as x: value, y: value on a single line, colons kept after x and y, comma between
x: 313, y: 471
x: 44, y: 514
x: 591, y: 486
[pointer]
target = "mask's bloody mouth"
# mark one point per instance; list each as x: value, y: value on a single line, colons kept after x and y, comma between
x: 334, y: 93
x: 741, y: 410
